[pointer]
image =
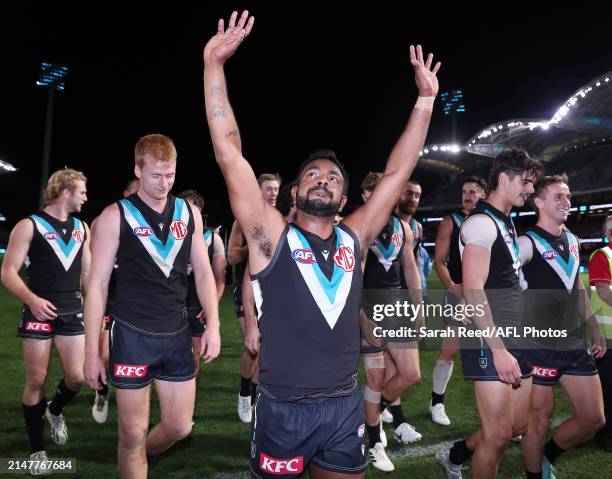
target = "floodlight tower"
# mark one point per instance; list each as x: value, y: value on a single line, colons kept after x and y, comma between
x: 453, y: 103
x: 52, y: 77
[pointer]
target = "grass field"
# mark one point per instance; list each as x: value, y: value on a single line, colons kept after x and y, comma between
x: 219, y: 444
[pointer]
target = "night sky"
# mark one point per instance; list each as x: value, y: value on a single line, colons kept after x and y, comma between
x: 307, y: 77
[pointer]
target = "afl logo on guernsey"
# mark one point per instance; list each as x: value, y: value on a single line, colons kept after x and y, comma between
x: 178, y: 229
x: 50, y: 235
x: 549, y: 255
x: 345, y: 258
x: 305, y: 256
x: 77, y: 235
x: 143, y: 231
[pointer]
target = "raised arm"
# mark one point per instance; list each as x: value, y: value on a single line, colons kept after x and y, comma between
x: 256, y: 217
x: 369, y: 219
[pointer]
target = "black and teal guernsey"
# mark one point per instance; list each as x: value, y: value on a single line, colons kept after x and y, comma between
x: 154, y: 252
x: 383, y: 262
x: 308, y: 299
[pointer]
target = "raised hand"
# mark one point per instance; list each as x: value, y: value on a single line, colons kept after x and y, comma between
x: 424, y: 75
x: 225, y: 43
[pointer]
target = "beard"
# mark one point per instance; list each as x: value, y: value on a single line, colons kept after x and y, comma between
x: 406, y: 208
x: 316, y: 207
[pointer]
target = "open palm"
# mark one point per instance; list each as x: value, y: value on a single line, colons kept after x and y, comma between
x: 226, y: 41
x: 424, y: 76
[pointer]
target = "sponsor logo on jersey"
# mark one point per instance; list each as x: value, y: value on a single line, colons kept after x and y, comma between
x: 130, y: 371
x: 293, y: 465
x: 543, y: 372
x: 38, y: 326
x: 77, y: 235
x: 178, y: 229
x: 143, y: 231
x: 549, y: 254
x: 574, y: 251
x: 345, y: 258
x: 51, y: 235
x: 305, y: 256
x: 396, y: 239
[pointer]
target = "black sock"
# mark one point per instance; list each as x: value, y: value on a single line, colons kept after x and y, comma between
x: 63, y: 396
x: 253, y: 393
x: 104, y: 390
x: 533, y: 475
x: 398, y: 415
x: 245, y: 386
x: 374, y: 434
x: 33, y: 416
x: 384, y: 403
x: 436, y: 398
x: 552, y: 451
x: 460, y: 453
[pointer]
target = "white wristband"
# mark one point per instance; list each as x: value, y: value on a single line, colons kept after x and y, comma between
x: 424, y: 103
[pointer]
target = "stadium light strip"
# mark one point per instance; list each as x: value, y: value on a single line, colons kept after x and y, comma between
x: 589, y: 240
x: 432, y: 220
x: 7, y: 166
x: 447, y: 148
x: 600, y: 207
x: 526, y: 213
x: 429, y: 244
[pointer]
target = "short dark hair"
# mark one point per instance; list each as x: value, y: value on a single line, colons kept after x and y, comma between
x: 371, y: 180
x: 414, y: 182
x: 194, y: 197
x: 284, y: 201
x: 513, y: 161
x: 544, y: 182
x: 476, y: 180
x: 329, y: 155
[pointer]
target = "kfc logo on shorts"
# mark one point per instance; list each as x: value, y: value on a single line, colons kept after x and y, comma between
x: 549, y: 255
x: 574, y: 251
x: 294, y: 465
x: 305, y: 256
x: 178, y: 229
x: 541, y: 372
x: 36, y: 326
x: 345, y: 258
x: 143, y: 231
x: 77, y: 235
x: 130, y: 371
x: 50, y: 236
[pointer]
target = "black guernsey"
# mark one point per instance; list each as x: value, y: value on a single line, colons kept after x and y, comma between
x: 383, y: 263
x: 54, y: 259
x: 308, y: 299
x: 154, y: 251
x: 454, y: 255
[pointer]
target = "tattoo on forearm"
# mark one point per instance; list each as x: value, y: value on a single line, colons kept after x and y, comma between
x: 217, y: 111
x: 233, y: 133
x: 217, y: 91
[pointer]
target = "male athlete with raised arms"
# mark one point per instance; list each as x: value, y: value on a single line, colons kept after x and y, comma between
x: 309, y: 411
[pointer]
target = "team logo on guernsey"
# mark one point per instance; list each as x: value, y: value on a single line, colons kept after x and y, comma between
x: 178, y: 229
x: 566, y: 270
x: 345, y: 258
x: 65, y: 252
x: 162, y: 254
x: 305, y: 256
x: 329, y: 294
x: 386, y: 255
x: 143, y: 231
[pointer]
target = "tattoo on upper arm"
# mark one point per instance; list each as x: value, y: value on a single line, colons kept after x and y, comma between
x: 263, y: 242
x: 217, y: 111
x: 233, y: 133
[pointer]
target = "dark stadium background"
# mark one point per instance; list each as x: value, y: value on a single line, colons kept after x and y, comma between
x: 309, y: 76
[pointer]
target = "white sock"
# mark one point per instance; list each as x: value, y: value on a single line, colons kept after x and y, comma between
x: 441, y: 375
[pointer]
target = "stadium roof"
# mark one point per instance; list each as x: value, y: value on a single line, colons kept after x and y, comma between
x: 583, y: 121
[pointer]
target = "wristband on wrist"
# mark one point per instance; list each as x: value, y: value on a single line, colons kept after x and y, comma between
x: 424, y: 103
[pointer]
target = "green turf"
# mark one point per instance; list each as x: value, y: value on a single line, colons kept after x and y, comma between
x: 219, y: 444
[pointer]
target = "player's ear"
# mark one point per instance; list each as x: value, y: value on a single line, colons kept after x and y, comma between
x: 343, y: 202
x: 294, y: 194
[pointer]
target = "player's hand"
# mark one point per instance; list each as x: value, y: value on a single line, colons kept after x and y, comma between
x: 211, y: 344
x: 456, y: 290
x: 201, y: 316
x: 42, y: 309
x: 424, y: 75
x: 225, y: 43
x: 94, y: 372
x: 507, y: 367
x: 367, y: 332
x: 598, y: 344
x: 251, y: 338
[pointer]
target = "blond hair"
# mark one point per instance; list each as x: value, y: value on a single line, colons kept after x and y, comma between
x: 158, y: 147
x: 59, y: 181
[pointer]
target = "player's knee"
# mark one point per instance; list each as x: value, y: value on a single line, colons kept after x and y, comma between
x: 498, y: 438
x: 540, y: 424
x: 133, y: 436
x: 375, y: 379
x: 410, y: 376
x: 74, y: 381
x: 592, y: 422
x: 36, y: 381
x: 176, y: 432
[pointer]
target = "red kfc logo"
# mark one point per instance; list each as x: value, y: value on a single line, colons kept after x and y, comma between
x: 541, y: 372
x: 178, y: 229
x: 293, y: 465
x: 77, y: 235
x: 130, y: 371
x: 345, y: 258
x: 38, y: 326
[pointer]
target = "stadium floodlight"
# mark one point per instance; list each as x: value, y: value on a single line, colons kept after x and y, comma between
x: 453, y: 102
x: 52, y: 77
x: 6, y: 167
